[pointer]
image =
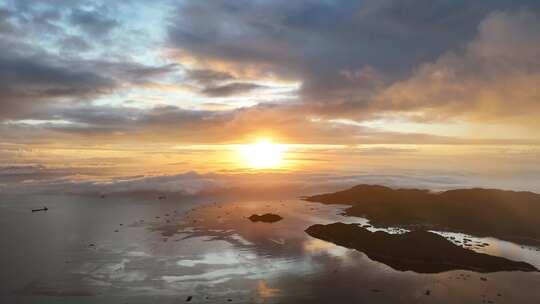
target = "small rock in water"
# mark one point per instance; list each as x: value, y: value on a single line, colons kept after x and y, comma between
x: 483, y: 279
x: 428, y: 292
x: 189, y: 298
x: 266, y: 218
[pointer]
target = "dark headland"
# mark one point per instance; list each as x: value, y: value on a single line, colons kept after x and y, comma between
x: 419, y: 251
x: 508, y: 215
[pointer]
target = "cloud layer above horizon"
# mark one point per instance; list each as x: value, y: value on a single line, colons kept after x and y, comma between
x: 225, y: 71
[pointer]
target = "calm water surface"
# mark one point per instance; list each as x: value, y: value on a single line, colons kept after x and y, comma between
x: 144, y: 250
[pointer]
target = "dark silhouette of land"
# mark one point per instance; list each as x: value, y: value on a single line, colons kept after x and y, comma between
x: 420, y: 251
x: 507, y: 215
x: 266, y: 218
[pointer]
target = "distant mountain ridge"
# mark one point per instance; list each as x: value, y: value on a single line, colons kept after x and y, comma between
x: 507, y: 215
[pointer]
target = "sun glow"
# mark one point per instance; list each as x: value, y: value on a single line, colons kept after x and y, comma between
x: 263, y: 154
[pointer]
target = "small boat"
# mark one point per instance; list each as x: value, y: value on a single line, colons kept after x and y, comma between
x: 40, y: 209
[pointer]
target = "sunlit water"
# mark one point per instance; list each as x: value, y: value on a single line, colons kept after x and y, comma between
x: 143, y: 250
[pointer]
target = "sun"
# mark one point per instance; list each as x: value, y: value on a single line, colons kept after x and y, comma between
x: 263, y: 154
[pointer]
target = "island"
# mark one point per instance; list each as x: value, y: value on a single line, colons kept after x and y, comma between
x: 507, y: 215
x: 419, y: 251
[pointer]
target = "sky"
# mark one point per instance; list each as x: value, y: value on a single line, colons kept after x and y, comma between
x: 107, y: 90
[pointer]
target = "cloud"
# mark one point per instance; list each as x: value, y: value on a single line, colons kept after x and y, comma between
x: 5, y: 25
x: 126, y: 71
x: 98, y: 125
x: 34, y: 81
x: 93, y: 22
x: 61, y: 52
x: 28, y: 82
x: 493, y: 79
x: 207, y: 76
x: 78, y: 71
x: 75, y: 44
x: 43, y: 180
x: 238, y: 185
x: 216, y: 83
x: 315, y: 42
x: 31, y: 86
x: 236, y: 88
x: 21, y: 170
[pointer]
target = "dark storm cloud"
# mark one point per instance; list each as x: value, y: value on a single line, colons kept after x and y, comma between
x: 319, y: 42
x: 230, y: 89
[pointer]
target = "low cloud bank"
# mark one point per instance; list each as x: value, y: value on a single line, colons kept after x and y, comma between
x: 20, y: 180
